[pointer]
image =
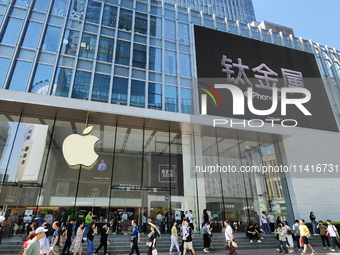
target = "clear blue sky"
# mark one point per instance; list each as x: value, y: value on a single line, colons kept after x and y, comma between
x: 310, y: 19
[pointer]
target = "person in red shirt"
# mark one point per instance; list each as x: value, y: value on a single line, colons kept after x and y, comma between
x: 30, y: 237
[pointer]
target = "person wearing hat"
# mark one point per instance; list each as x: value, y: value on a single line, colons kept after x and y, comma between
x: 33, y: 247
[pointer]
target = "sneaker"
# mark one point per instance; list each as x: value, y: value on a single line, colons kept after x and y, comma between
x: 332, y: 250
x: 302, y: 253
x: 278, y: 250
x: 259, y: 241
x: 313, y: 253
x: 324, y: 248
x: 251, y: 241
x: 291, y: 251
x: 261, y: 237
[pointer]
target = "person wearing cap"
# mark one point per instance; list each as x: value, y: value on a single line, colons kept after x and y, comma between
x: 33, y: 247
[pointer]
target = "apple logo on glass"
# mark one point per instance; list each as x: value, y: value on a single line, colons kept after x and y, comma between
x: 79, y: 150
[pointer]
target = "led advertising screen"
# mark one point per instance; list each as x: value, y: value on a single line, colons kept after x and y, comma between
x: 247, y: 79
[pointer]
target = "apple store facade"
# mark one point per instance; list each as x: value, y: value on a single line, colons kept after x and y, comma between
x: 129, y: 69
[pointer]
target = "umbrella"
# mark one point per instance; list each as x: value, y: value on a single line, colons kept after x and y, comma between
x: 159, y: 233
x: 2, y: 218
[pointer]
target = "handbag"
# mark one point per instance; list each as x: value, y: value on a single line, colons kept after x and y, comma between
x: 154, y: 252
x: 301, y: 242
x: 148, y: 244
x: 234, y: 244
x: 132, y: 238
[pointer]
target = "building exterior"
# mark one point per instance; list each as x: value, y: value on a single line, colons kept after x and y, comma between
x: 129, y: 69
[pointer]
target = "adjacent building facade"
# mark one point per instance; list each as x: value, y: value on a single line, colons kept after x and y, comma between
x: 130, y: 69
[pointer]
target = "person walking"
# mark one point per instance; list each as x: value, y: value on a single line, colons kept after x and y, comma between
x: 183, y: 233
x: 289, y: 236
x: 174, y: 237
x: 56, y: 239
x: 152, y: 239
x: 271, y: 220
x: 188, y: 239
x: 281, y: 236
x: 33, y: 247
x: 206, y: 237
x: 88, y: 220
x: 90, y: 235
x: 190, y: 218
x: 323, y: 234
x: 304, y: 232
x: 210, y: 235
x: 229, y: 237
x: 76, y: 244
x: 135, y: 238
x: 68, y: 237
x: 334, y: 234
x: 30, y: 238
x: 296, y: 233
x: 314, y: 225
x: 103, y: 239
x: 265, y: 223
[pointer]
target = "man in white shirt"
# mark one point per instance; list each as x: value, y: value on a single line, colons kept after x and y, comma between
x: 333, y: 232
x: 265, y: 223
x: 184, y: 231
x: 229, y: 237
x: 190, y: 219
x: 271, y: 219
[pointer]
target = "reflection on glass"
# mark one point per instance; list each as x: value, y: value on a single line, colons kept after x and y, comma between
x: 119, y: 91
x: 155, y: 59
x: 170, y: 62
x: 156, y: 26
x: 4, y: 1
x: 41, y: 5
x: 59, y: 7
x: 109, y: 16
x: 105, y: 49
x: 32, y: 35
x: 93, y: 12
x: 170, y: 98
x: 183, y: 30
x: 185, y: 66
x: 51, y: 39
x: 12, y: 31
x: 41, y: 79
x: 88, y: 46
x: 77, y: 9
x: 20, y: 76
x: 155, y: 96
x: 123, y: 53
x: 139, y: 56
x: 137, y: 93
x: 62, y: 80
x: 81, y: 85
x: 185, y: 100
x: 70, y: 42
x: 101, y: 87
x: 170, y: 28
x: 141, y: 23
x: 22, y: 3
x: 4, y: 62
x: 125, y: 20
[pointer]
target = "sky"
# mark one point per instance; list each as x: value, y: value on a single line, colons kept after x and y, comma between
x: 310, y: 19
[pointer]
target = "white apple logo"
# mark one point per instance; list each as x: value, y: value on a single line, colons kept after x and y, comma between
x: 79, y: 150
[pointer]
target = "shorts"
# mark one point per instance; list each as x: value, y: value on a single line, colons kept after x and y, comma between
x: 188, y: 245
x: 305, y: 240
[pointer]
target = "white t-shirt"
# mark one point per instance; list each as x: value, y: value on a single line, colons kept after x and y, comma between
x: 271, y: 218
x: 264, y: 218
x: 228, y: 232
x: 331, y: 230
x: 184, y: 230
x: 159, y: 217
x: 189, y: 217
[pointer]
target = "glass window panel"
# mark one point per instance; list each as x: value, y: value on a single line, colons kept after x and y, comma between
x: 22, y: 3
x: 183, y: 17
x: 170, y: 28
x: 77, y: 9
x: 170, y: 45
x: 41, y: 79
x: 139, y: 56
x: 70, y: 42
x: 62, y: 81
x: 1, y: 18
x: 32, y: 35
x: 51, y: 39
x: 156, y: 10
x: 170, y: 62
x: 169, y: 14
x: 121, y: 71
x: 155, y: 96
x: 112, y: 2
x: 4, y: 62
x: 101, y: 87
x: 105, y: 49
x: 12, y: 31
x: 140, y: 39
x: 119, y: 91
x: 123, y: 53
x: 93, y: 12
x: 196, y: 20
x: 155, y: 59
x: 156, y: 26
x: 88, y: 46
x: 170, y: 98
x: 41, y: 5
x: 137, y: 93
x: 184, y: 66
x: 109, y: 16
x: 185, y: 82
x: 127, y: 4
x: 141, y: 23
x: 4, y: 1
x: 59, y: 7
x: 141, y: 7
x: 125, y: 20
x: 183, y: 33
x: 185, y: 100
x: 20, y: 76
x: 81, y: 85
